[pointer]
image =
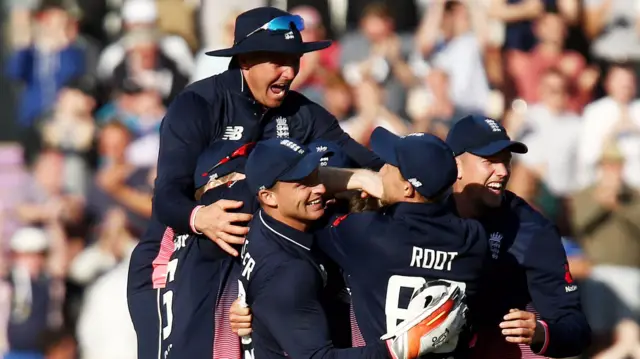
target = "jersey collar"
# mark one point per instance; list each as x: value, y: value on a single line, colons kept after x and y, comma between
x: 289, y: 235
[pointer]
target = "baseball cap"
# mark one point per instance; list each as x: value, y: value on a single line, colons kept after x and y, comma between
x: 481, y: 136
x: 337, y: 158
x: 220, y: 159
x: 276, y: 160
x: 29, y: 240
x: 423, y: 159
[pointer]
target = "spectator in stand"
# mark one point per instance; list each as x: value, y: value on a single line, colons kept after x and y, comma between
x: 377, y: 52
x: 519, y: 17
x: 145, y: 54
x: 206, y: 65
x: 118, y: 183
x: 104, y: 328
x: 70, y: 128
x: 528, y: 68
x: 546, y: 174
x: 552, y: 133
x: 141, y: 110
x: 371, y: 113
x: 612, y: 25
x: 148, y: 66
x: 33, y: 302
x: 45, y: 197
x: 615, y: 117
x: 338, y: 97
x: 43, y: 66
x: 448, y: 42
x: 433, y: 110
x: 606, y: 225
x: 314, y: 66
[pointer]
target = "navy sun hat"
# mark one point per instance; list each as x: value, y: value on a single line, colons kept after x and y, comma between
x: 337, y: 159
x: 279, y: 159
x: 423, y: 159
x: 269, y: 29
x: 220, y: 159
x: 481, y: 136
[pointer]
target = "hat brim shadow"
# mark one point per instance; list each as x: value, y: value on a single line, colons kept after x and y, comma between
x: 305, y: 167
x: 299, y: 48
x: 495, y: 147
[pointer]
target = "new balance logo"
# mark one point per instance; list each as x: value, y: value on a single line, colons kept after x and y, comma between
x: 233, y: 133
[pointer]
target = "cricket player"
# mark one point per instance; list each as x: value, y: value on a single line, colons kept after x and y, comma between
x: 528, y: 262
x: 284, y: 278
x: 202, y: 279
x: 415, y: 244
x: 250, y: 101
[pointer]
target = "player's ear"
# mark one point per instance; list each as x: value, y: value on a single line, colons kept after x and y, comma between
x: 408, y: 189
x: 459, y: 165
x: 268, y: 198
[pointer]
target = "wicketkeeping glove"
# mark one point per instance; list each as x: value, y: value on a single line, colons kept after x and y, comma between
x: 436, y: 328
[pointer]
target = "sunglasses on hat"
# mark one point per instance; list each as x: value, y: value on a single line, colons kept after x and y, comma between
x: 281, y: 23
x: 243, y: 151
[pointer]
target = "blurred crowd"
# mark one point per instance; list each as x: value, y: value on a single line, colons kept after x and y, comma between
x: 92, y: 80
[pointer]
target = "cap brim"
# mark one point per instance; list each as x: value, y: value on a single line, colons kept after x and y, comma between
x: 383, y: 143
x: 304, y: 167
x: 495, y: 147
x: 293, y: 49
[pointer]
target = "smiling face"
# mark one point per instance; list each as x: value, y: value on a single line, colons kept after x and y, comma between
x: 483, y: 180
x: 269, y: 75
x: 296, y: 204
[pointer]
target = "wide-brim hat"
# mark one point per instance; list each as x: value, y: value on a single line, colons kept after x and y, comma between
x: 250, y: 35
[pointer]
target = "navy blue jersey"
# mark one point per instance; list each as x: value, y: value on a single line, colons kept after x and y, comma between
x: 389, y: 255
x: 201, y: 285
x: 284, y: 283
x: 222, y: 107
x: 528, y: 264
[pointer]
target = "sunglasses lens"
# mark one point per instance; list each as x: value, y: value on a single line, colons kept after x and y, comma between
x: 284, y: 23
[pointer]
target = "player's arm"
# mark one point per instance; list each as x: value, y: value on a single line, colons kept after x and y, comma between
x: 563, y: 327
x: 184, y: 134
x: 287, y: 304
x: 325, y: 126
x: 338, y: 180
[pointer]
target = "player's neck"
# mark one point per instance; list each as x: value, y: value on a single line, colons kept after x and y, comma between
x: 465, y: 207
x: 294, y: 223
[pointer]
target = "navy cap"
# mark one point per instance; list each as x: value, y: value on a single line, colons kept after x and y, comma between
x: 423, y: 159
x: 337, y: 158
x: 481, y: 136
x: 279, y: 159
x: 220, y: 159
x: 247, y: 39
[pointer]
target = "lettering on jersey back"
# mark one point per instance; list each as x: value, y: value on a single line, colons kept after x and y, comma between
x: 432, y: 259
x: 248, y: 263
